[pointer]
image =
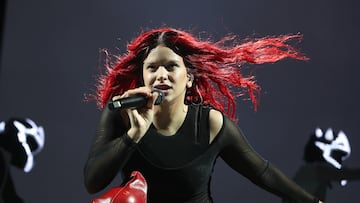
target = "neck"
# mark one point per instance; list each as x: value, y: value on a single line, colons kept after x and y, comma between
x: 169, y: 117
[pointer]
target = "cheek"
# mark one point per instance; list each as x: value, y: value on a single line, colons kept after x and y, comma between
x: 181, y: 77
x: 148, y: 78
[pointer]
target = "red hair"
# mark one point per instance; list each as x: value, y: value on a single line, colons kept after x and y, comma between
x: 216, y: 67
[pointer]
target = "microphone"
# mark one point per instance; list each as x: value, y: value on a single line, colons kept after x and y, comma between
x: 135, y: 101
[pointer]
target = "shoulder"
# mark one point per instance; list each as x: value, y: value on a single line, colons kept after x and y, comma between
x: 215, y: 122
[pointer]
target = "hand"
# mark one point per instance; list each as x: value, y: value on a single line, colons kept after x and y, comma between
x: 140, y: 119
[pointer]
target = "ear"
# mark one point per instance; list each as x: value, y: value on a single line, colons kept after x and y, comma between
x: 190, y: 80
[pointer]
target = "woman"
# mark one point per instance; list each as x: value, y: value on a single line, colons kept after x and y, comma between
x: 175, y: 144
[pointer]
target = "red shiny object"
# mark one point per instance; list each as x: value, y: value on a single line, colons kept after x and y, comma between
x: 134, y: 191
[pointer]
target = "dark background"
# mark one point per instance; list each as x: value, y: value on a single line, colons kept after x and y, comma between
x: 50, y: 54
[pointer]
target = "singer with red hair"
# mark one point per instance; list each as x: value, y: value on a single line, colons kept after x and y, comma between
x: 175, y: 144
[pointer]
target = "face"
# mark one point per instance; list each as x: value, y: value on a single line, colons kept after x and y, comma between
x: 165, y: 70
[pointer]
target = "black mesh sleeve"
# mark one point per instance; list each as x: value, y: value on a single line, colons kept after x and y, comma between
x: 109, y: 152
x: 239, y: 155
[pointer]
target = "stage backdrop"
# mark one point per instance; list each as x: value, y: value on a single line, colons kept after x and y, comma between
x: 50, y: 54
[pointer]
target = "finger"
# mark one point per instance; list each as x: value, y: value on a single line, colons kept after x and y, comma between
x: 131, y: 117
x: 116, y: 97
x: 140, y: 90
x: 151, y: 101
x: 137, y: 115
x: 128, y: 93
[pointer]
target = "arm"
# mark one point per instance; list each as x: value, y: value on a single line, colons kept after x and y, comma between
x: 109, y: 152
x: 115, y: 140
x: 239, y: 155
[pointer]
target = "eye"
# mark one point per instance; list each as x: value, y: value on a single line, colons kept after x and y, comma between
x: 151, y: 67
x: 171, y: 66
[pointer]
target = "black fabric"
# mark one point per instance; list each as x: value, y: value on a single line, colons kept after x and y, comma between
x: 181, y: 148
x: 109, y: 152
x: 238, y: 154
x: 178, y: 168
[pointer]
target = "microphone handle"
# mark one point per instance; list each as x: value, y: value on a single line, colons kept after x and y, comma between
x: 135, y: 102
x: 129, y: 102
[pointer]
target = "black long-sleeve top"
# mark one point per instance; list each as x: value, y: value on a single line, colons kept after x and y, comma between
x: 178, y: 168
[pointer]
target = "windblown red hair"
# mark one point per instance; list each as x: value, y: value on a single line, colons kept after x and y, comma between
x: 216, y: 66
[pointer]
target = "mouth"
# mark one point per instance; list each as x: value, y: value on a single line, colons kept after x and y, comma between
x: 162, y: 87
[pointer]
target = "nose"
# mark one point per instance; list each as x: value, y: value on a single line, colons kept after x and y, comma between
x: 162, y: 73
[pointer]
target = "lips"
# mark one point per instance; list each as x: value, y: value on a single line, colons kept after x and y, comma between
x: 162, y: 87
